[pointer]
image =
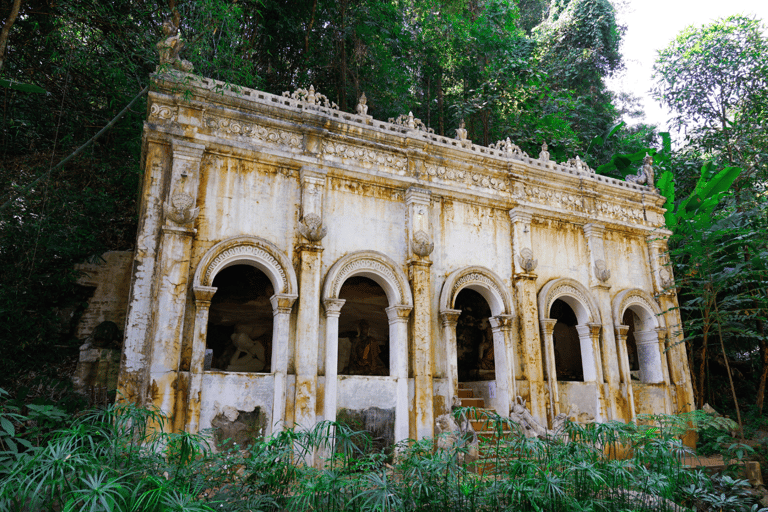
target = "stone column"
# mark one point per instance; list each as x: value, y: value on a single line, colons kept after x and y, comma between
x: 448, y: 319
x: 676, y: 355
x: 599, y: 283
x: 203, y: 296
x: 548, y: 355
x: 308, y: 321
x: 398, y: 366
x: 332, y: 312
x: 589, y: 339
x: 504, y: 368
x: 173, y: 268
x: 281, y: 315
x: 528, y: 308
x: 419, y: 234
x: 624, y: 372
x: 649, y: 356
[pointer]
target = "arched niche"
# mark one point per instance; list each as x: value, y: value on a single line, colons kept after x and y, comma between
x: 645, y: 330
x: 482, y: 280
x: 383, y: 271
x: 496, y: 294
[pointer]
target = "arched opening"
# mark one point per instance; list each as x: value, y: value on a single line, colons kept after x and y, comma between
x: 240, y: 321
x: 474, y: 338
x: 630, y: 319
x: 364, y: 347
x: 568, y: 361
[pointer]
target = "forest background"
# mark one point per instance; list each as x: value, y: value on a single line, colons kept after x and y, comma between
x: 531, y: 70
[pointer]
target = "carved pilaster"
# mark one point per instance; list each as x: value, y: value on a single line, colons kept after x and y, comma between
x: 418, y: 222
x: 312, y: 192
x: 179, y: 206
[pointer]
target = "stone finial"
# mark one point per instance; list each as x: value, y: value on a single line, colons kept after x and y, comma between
x: 411, y: 122
x: 311, y: 228
x: 170, y: 47
x: 601, y: 271
x: 544, y: 154
x: 311, y: 98
x: 645, y: 175
x: 181, y: 209
x: 526, y: 260
x: 421, y: 244
x: 461, y: 131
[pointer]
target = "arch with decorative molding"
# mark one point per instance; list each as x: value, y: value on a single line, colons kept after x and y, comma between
x: 482, y: 280
x: 642, y: 304
x: 648, y: 335
x: 496, y: 293
x: 572, y: 293
x: 375, y: 266
x: 248, y: 250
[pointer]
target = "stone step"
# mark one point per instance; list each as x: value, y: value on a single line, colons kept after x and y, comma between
x: 466, y: 393
x: 473, y: 402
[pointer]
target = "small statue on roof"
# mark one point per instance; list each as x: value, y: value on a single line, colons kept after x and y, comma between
x: 170, y: 47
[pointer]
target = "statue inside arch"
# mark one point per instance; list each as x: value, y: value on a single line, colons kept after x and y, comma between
x: 365, y: 358
x: 249, y: 355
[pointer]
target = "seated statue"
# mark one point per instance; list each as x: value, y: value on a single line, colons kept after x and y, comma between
x: 485, y: 350
x: 364, y: 358
x: 249, y: 354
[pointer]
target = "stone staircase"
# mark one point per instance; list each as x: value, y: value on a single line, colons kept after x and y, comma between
x: 481, y: 417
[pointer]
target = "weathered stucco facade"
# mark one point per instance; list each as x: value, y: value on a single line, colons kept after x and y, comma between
x: 458, y: 265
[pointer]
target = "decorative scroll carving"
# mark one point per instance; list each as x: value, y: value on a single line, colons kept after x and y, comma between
x: 366, y: 155
x: 620, y: 212
x: 458, y: 176
x: 163, y: 113
x: 557, y: 199
x: 245, y: 250
x: 414, y: 123
x: 645, y: 174
x: 224, y: 127
x: 311, y: 228
x: 421, y: 244
x: 181, y: 209
x: 601, y: 271
x: 311, y: 97
x: 526, y: 260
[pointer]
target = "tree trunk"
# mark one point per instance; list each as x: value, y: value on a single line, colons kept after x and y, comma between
x: 439, y: 86
x: 764, y: 374
x: 7, y: 30
x: 728, y: 369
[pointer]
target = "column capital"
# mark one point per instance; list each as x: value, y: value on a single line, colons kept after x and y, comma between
x: 501, y: 322
x: 525, y: 276
x: 593, y: 229
x: 449, y: 317
x: 548, y: 325
x: 310, y: 248
x: 314, y: 175
x: 187, y: 150
x: 398, y: 313
x: 282, y: 303
x: 650, y: 337
x: 594, y: 329
x: 520, y: 216
x: 204, y: 294
x: 621, y: 331
x: 417, y: 195
x: 424, y: 264
x: 333, y: 307
x: 179, y: 231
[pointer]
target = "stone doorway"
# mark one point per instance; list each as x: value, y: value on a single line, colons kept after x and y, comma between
x: 364, y: 347
x: 474, y: 338
x: 240, y: 321
x: 568, y: 361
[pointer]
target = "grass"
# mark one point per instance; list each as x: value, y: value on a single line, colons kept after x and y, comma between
x: 109, y: 459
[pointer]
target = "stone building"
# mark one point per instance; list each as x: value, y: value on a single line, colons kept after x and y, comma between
x: 294, y: 261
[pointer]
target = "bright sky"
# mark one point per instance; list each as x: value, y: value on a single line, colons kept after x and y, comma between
x: 652, y: 25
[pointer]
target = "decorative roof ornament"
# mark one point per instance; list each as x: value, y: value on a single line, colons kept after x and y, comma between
x: 414, y: 123
x: 170, y: 47
x: 509, y: 148
x: 645, y: 175
x: 311, y: 97
x: 362, y: 107
x: 461, y: 131
x: 579, y: 165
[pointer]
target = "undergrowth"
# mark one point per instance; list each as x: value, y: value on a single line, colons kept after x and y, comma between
x: 119, y: 458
